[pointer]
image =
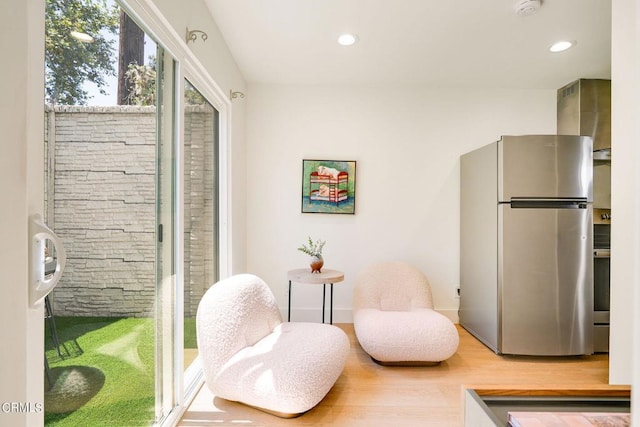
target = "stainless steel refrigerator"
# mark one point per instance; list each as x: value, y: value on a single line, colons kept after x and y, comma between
x: 526, y: 276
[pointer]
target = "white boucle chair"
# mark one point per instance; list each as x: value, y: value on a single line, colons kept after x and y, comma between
x: 249, y: 355
x: 394, y: 319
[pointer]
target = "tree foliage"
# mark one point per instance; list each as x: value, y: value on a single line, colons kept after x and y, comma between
x: 193, y: 97
x: 142, y: 84
x: 69, y: 62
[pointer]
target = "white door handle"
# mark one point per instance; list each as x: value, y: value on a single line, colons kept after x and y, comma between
x: 40, y: 283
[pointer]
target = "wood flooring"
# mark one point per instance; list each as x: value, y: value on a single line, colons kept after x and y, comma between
x: 367, y: 394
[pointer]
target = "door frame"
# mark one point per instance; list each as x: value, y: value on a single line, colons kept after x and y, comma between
x: 22, y: 178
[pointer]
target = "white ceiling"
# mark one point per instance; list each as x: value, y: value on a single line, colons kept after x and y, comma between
x: 445, y: 43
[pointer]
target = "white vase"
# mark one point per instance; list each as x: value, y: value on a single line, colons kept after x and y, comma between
x: 316, y: 262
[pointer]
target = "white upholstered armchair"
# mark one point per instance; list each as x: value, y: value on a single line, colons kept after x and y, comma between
x: 394, y: 319
x: 249, y: 355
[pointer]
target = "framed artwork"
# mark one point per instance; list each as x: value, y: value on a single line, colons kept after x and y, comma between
x: 329, y: 186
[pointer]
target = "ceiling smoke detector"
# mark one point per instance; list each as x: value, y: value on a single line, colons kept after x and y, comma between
x: 527, y: 7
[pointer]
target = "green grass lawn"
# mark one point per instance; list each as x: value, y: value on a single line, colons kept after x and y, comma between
x: 105, y: 376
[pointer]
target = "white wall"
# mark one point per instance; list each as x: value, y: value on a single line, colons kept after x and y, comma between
x: 407, y: 144
x: 625, y: 204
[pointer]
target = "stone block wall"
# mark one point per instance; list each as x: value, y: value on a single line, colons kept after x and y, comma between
x: 102, y: 204
x: 200, y: 209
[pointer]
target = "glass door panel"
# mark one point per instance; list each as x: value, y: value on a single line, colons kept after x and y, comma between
x: 201, y: 248
x: 110, y: 196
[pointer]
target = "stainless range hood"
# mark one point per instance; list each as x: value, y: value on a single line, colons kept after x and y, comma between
x: 584, y: 108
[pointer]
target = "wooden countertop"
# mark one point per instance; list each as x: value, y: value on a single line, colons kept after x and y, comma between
x: 552, y: 390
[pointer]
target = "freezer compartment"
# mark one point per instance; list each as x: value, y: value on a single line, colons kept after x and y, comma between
x: 545, y: 280
x: 545, y: 166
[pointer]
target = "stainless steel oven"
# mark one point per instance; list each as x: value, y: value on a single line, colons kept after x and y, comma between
x: 601, y: 275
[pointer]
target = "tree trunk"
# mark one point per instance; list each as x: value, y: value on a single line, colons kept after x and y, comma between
x: 131, y: 52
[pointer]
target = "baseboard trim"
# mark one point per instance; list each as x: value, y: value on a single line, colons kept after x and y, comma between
x: 345, y: 315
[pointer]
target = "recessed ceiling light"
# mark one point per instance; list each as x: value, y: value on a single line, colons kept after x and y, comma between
x: 83, y: 37
x: 347, y: 39
x: 562, y: 46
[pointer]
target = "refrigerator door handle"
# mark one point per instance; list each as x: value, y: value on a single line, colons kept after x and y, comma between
x: 41, y: 281
x: 549, y: 203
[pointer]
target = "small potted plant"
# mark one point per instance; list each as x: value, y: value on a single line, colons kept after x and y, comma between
x: 314, y: 250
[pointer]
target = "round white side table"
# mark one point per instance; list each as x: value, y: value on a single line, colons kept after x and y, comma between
x: 305, y: 276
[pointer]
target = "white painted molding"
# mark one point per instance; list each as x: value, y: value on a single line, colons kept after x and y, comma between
x: 342, y: 315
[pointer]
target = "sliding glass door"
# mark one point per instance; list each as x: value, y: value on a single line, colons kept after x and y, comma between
x: 132, y: 188
x: 111, y: 145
